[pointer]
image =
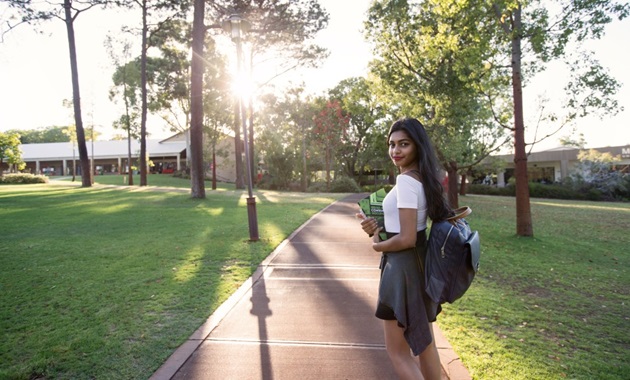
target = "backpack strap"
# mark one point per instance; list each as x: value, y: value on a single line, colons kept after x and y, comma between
x: 459, y: 213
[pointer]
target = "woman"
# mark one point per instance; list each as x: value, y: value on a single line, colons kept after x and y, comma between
x: 403, y: 302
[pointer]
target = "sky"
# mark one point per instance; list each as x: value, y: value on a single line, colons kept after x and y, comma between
x: 35, y: 74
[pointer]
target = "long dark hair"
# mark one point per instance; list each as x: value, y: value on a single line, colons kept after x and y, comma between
x: 437, y: 205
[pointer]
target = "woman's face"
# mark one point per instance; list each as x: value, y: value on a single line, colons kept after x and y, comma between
x: 402, y: 151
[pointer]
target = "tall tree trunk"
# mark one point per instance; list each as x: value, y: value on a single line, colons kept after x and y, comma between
x: 453, y: 199
x: 86, y: 173
x: 463, y: 187
x: 238, y: 153
x: 523, y: 210
x: 143, y: 85
x: 196, y: 103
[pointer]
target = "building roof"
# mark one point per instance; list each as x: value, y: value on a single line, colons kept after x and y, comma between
x: 569, y: 153
x: 102, y: 149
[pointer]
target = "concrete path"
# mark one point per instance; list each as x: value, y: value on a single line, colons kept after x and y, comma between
x: 306, y: 313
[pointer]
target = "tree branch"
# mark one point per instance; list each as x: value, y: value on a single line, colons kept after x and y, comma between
x: 499, y: 16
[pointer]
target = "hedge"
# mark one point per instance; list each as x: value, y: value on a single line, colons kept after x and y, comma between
x: 536, y: 190
x: 22, y: 178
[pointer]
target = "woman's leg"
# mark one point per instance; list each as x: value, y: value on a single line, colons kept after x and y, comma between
x: 430, y: 360
x: 399, y: 353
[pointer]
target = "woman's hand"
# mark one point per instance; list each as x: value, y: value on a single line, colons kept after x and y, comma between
x: 369, y: 225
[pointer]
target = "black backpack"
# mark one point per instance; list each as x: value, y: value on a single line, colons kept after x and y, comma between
x: 452, y: 257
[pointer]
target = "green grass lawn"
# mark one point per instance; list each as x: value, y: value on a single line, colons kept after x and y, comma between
x: 550, y: 307
x: 160, y: 180
x: 106, y: 283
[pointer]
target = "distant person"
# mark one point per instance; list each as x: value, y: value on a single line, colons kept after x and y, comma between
x: 402, y: 300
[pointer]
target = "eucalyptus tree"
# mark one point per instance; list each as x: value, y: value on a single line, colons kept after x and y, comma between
x: 533, y: 33
x: 31, y: 12
x: 431, y: 65
x: 170, y: 95
x: 280, y: 39
x: 365, y: 146
x: 170, y: 89
x: 126, y: 80
x: 218, y: 103
x: 154, y: 16
x: 198, y: 189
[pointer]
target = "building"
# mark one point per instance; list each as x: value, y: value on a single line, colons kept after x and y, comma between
x: 554, y: 165
x: 111, y: 157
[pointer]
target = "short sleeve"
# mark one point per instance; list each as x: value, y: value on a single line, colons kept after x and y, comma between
x: 408, y: 192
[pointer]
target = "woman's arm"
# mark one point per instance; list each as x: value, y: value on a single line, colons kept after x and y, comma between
x: 407, y: 236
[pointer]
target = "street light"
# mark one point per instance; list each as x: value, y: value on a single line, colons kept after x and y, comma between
x: 236, y: 26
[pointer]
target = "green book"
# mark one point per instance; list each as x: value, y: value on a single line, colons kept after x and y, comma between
x: 372, y: 207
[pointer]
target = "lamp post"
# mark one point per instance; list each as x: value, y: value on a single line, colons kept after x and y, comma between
x: 236, y: 26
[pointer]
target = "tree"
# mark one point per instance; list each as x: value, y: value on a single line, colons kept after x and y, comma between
x: 331, y: 132
x: 172, y: 85
x: 196, y: 100
x: 67, y: 11
x: 531, y: 28
x: 126, y: 80
x: 217, y: 103
x: 367, y: 126
x: 10, y: 151
x: 287, y: 147
x: 172, y: 77
x: 279, y: 38
x: 42, y: 135
x: 154, y: 16
x: 431, y: 65
x: 70, y: 14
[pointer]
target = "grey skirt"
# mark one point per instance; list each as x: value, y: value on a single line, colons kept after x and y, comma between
x: 401, y: 293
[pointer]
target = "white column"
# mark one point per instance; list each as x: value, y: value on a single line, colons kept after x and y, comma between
x: 179, y: 164
x: 501, y: 179
x: 37, y: 169
x: 65, y: 167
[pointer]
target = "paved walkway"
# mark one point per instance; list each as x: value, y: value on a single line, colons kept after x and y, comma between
x: 306, y: 313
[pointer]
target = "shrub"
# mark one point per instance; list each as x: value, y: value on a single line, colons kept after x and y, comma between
x: 22, y: 178
x: 338, y: 185
x: 555, y: 191
x: 491, y: 190
x: 344, y: 185
x: 372, y: 188
x: 539, y: 190
x: 317, y: 187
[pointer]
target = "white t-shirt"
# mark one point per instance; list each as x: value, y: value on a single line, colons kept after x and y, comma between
x: 408, y: 193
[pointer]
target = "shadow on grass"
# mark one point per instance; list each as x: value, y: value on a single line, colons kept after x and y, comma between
x: 105, y: 283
